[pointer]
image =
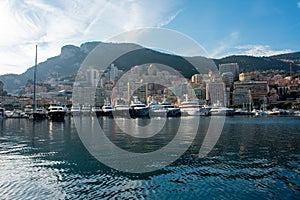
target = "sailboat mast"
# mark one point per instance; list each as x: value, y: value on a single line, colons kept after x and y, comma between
x: 34, y: 79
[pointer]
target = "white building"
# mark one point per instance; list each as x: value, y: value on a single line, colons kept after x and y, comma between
x: 216, y: 93
x: 92, y: 77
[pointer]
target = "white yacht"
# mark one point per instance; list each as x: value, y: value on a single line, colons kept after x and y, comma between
x: 107, y: 108
x: 96, y: 110
x: 28, y: 109
x: 39, y: 114
x: 243, y: 112
x: 274, y: 111
x: 164, y: 109
x: 157, y: 110
x: 138, y: 109
x: 121, y: 109
x: 56, y: 113
x: 75, y: 110
x: 192, y: 107
x: 221, y: 111
x: 86, y: 110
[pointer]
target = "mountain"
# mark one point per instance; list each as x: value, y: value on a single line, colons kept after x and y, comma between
x: 67, y: 63
x: 288, y: 56
x: 251, y: 63
x: 71, y: 57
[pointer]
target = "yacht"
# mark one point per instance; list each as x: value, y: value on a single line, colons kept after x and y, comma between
x: 274, y: 111
x: 28, y: 109
x: 138, y: 109
x: 221, y: 111
x: 39, y: 114
x: 157, y: 110
x: 56, y: 113
x: 14, y: 114
x: 164, y: 109
x: 86, y: 110
x: 96, y: 110
x: 121, y: 109
x: 192, y: 107
x: 263, y: 108
x: 243, y: 112
x: 75, y: 110
x: 107, y: 109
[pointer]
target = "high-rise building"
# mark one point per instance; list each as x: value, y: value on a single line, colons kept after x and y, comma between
x: 92, y: 77
x: 227, y: 78
x: 216, y: 93
x: 230, y: 67
x: 114, y: 72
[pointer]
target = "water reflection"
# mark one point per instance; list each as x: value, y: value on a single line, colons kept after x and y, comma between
x: 255, y: 158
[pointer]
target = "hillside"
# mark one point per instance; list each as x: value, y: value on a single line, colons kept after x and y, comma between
x: 71, y: 57
x: 250, y: 63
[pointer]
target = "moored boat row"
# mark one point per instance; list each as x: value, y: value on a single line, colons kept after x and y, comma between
x: 54, y: 113
x: 188, y: 107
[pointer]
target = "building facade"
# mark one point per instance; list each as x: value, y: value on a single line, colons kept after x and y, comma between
x: 216, y: 93
x: 230, y: 67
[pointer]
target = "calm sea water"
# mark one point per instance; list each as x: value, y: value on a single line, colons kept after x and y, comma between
x: 255, y: 158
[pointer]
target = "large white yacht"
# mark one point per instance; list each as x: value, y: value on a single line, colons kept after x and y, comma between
x: 192, y: 107
x: 221, y: 111
x: 138, y: 109
x: 86, y: 110
x: 75, y: 110
x: 121, y: 109
x: 107, y: 108
x: 164, y: 109
x: 56, y: 113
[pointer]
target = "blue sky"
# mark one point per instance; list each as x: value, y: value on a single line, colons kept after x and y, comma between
x: 222, y: 27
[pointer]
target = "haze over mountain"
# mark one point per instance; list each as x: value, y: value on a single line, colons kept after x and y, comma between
x: 71, y: 57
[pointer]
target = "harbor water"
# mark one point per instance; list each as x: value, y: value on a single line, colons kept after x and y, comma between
x: 254, y: 158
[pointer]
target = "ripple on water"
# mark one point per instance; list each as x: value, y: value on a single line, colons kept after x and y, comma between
x: 254, y: 158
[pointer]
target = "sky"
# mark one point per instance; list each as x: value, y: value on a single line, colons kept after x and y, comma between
x: 222, y: 28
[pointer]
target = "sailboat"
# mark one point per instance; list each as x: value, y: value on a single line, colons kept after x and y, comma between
x: 37, y: 114
x: 244, y: 110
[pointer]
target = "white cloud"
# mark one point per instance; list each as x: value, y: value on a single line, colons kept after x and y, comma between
x: 52, y: 24
x: 298, y: 4
x: 260, y: 50
x: 225, y: 44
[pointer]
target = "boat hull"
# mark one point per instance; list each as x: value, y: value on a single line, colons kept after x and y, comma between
x: 57, y: 115
x: 39, y: 116
x: 221, y: 112
x: 196, y: 111
x: 107, y: 113
x: 121, y: 113
x: 139, y: 112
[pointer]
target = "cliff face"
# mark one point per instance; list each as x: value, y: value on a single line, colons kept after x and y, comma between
x: 65, y: 64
